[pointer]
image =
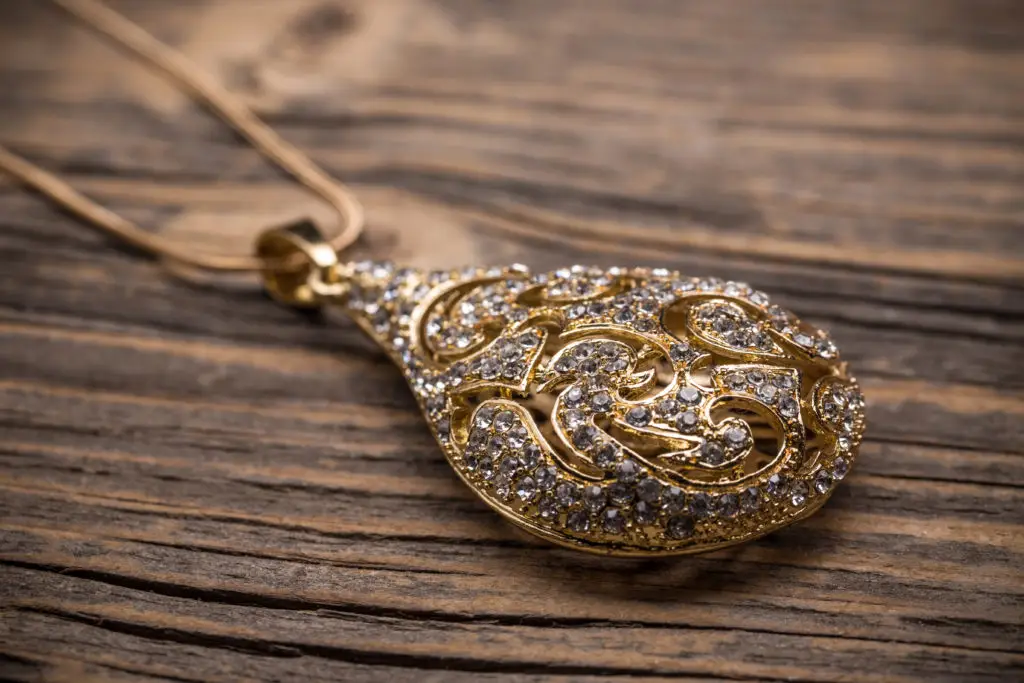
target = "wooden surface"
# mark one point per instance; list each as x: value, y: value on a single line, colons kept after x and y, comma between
x: 196, y: 484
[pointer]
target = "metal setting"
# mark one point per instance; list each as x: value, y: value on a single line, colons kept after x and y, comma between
x: 619, y: 411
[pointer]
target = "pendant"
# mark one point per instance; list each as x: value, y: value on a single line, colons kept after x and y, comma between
x: 622, y: 411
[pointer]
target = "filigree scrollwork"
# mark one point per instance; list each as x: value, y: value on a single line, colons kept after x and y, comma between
x: 623, y: 411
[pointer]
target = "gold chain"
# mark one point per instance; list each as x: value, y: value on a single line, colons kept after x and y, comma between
x: 231, y: 110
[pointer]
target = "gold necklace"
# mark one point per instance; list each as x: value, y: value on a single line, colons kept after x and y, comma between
x: 624, y: 411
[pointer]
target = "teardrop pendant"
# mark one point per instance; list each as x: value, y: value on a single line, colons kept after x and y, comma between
x: 618, y: 411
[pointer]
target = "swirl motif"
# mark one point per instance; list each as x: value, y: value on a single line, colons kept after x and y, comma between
x: 620, y: 411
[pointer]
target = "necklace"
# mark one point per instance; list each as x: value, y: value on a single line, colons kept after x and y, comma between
x: 623, y: 411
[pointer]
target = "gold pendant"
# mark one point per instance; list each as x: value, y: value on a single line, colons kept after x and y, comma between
x: 623, y: 411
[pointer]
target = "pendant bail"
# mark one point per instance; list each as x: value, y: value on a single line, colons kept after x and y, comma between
x: 314, y: 275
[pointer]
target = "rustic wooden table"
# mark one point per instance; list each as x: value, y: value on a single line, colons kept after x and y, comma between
x: 199, y: 485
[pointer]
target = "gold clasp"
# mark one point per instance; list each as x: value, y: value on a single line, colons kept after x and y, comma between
x: 314, y: 277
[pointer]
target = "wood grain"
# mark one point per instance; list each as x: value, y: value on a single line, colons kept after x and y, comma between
x: 198, y: 485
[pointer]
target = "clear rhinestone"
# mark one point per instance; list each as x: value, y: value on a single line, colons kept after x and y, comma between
x: 620, y: 493
x: 578, y: 521
x: 668, y: 407
x: 756, y: 377
x: 688, y: 396
x: 502, y: 486
x: 803, y: 339
x: 572, y: 418
x: 509, y: 351
x: 613, y: 521
x: 526, y: 489
x: 624, y: 315
x: 700, y: 505
x: 566, y: 493
x: 528, y: 340
x: 484, y: 416
x: 712, y: 453
x: 594, y: 497
x: 776, y: 485
x: 601, y: 402
x: 679, y: 527
x: 508, y: 466
x: 573, y: 396
x: 583, y: 437
x: 644, y: 513
x: 783, y: 381
x: 649, y: 489
x: 564, y: 365
x: 546, y: 477
x: 735, y: 381
x: 616, y: 365
x: 548, y: 508
x: 517, y: 436
x: 486, y: 468
x: 680, y: 352
x: 673, y: 499
x: 489, y: 368
x: 750, y: 499
x: 504, y: 420
x: 735, y: 437
x: 470, y: 462
x: 606, y: 456
x: 767, y: 392
x: 798, y: 493
x: 638, y: 416
x: 687, y: 421
x: 444, y: 428
x: 789, y: 407
x: 627, y: 471
x: 728, y: 505
x: 823, y: 481
x: 531, y: 455
x: 840, y: 467
x: 759, y: 299
x: 495, y: 445
x: 589, y: 366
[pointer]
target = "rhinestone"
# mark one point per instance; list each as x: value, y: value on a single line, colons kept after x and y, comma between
x: 687, y: 421
x: 508, y: 466
x: 735, y: 381
x: 589, y: 367
x: 776, y: 485
x: 578, y: 521
x: 627, y: 471
x: 582, y: 351
x: 564, y: 365
x: 484, y: 416
x: 583, y: 437
x: 517, y: 437
x: 573, y: 396
x: 803, y: 339
x: 823, y: 481
x: 620, y: 493
x: 616, y: 365
x: 798, y: 493
x: 735, y: 437
x: 470, y: 462
x: 750, y: 499
x: 689, y: 396
x: 756, y: 377
x: 609, y: 349
x: 504, y: 420
x: 673, y: 499
x: 594, y: 497
x: 759, y: 299
x: 531, y: 455
x: 613, y: 521
x: 489, y: 368
x: 767, y: 392
x: 623, y: 315
x: 644, y: 513
x: 495, y: 445
x: 649, y: 489
x: 509, y: 351
x: 679, y: 527
x: 840, y: 467
x: 783, y: 381
x: 572, y: 418
x: 638, y: 416
x: 700, y: 505
x: 547, y: 507
x: 789, y: 407
x: 486, y: 468
x: 668, y: 407
x: 566, y: 493
x: 528, y: 340
x: 546, y: 477
x: 643, y: 324
x: 606, y: 456
x: 728, y: 505
x: 526, y: 489
x: 712, y: 453
x: 601, y: 402
x: 680, y: 352
x: 444, y: 427
x: 502, y: 486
